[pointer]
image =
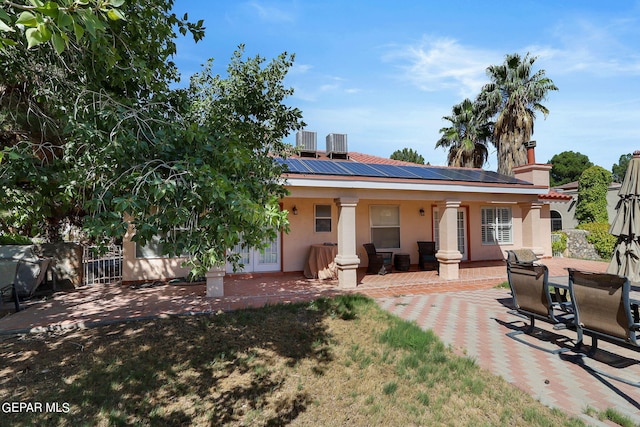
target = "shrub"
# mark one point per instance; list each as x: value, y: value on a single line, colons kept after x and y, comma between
x: 14, y: 239
x: 599, y: 236
x: 559, y: 245
x: 592, y: 195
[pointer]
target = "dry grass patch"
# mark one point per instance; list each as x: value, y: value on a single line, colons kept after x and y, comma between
x: 332, y: 362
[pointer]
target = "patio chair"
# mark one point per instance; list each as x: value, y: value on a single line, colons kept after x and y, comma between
x: 427, y: 256
x: 379, y: 262
x: 29, y: 275
x: 603, y: 308
x: 532, y: 299
x: 527, y: 256
x: 521, y: 255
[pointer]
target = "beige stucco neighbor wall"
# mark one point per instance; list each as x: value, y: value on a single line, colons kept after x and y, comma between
x: 567, y: 210
x: 136, y: 269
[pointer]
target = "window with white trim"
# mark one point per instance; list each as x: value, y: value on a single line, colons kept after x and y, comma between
x: 497, y: 226
x: 556, y: 221
x: 323, y: 218
x: 385, y: 226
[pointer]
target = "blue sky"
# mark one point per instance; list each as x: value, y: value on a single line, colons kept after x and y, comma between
x: 386, y: 72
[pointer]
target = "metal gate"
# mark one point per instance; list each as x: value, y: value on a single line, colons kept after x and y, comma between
x: 101, y: 268
x: 556, y: 238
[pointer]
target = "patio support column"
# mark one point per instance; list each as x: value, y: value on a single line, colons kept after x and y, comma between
x: 448, y: 254
x: 347, y: 259
x: 533, y: 236
x: 215, y: 281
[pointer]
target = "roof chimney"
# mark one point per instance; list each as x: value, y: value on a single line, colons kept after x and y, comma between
x: 531, y: 152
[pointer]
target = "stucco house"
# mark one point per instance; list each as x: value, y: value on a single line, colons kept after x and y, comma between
x: 351, y: 198
x: 563, y: 214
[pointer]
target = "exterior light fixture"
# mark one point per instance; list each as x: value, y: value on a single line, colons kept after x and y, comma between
x: 294, y: 210
x: 421, y: 211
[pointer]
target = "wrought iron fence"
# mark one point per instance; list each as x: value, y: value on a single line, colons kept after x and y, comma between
x: 101, y: 268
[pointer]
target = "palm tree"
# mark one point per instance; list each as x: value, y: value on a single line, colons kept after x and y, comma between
x: 513, y: 97
x: 467, y: 136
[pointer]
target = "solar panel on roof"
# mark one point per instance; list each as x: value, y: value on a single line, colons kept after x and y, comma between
x: 345, y: 168
x: 362, y: 169
x: 394, y: 171
x: 326, y: 167
x: 468, y: 174
x: 454, y: 175
x: 490, y: 177
x: 295, y: 166
x: 426, y: 172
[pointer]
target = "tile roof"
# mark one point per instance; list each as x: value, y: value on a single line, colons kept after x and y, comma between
x: 556, y: 196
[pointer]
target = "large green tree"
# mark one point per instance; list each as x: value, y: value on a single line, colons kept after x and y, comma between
x: 92, y: 132
x: 62, y: 106
x: 513, y: 97
x: 567, y: 167
x: 467, y: 137
x: 407, y: 155
x: 619, y: 170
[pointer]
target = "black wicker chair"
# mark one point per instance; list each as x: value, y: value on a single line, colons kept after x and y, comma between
x: 427, y: 256
x: 379, y: 262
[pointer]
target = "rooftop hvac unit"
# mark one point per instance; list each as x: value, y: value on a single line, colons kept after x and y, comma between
x: 337, y: 145
x: 306, y: 143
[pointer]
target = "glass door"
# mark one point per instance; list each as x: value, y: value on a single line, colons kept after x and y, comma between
x: 256, y: 260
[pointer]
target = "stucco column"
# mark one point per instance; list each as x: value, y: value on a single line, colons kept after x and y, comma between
x: 347, y: 259
x: 533, y: 229
x: 448, y: 254
x: 215, y: 281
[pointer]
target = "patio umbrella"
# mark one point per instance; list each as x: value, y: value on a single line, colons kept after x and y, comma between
x: 626, y: 225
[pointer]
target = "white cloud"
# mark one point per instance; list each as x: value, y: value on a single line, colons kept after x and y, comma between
x: 271, y: 13
x: 601, y: 49
x: 443, y: 63
x: 312, y: 87
x: 297, y: 69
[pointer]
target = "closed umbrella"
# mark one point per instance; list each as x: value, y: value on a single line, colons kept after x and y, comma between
x: 626, y: 225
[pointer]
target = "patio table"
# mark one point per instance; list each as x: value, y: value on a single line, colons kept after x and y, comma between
x: 321, y: 262
x: 561, y: 284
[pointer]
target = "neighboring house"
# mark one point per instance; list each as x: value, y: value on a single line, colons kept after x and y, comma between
x: 563, y: 215
x: 351, y: 198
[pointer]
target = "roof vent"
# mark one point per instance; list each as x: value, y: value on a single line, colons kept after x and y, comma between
x: 306, y: 143
x: 337, y: 146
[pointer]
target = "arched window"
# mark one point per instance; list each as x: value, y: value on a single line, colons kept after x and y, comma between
x: 556, y: 221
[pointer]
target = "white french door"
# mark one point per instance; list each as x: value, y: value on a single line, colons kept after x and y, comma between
x: 462, y: 231
x: 258, y: 260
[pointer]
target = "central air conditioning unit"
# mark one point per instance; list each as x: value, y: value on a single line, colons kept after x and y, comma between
x: 306, y: 143
x: 337, y: 145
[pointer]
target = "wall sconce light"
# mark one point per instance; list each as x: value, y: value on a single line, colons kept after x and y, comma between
x: 294, y: 210
x: 421, y: 211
